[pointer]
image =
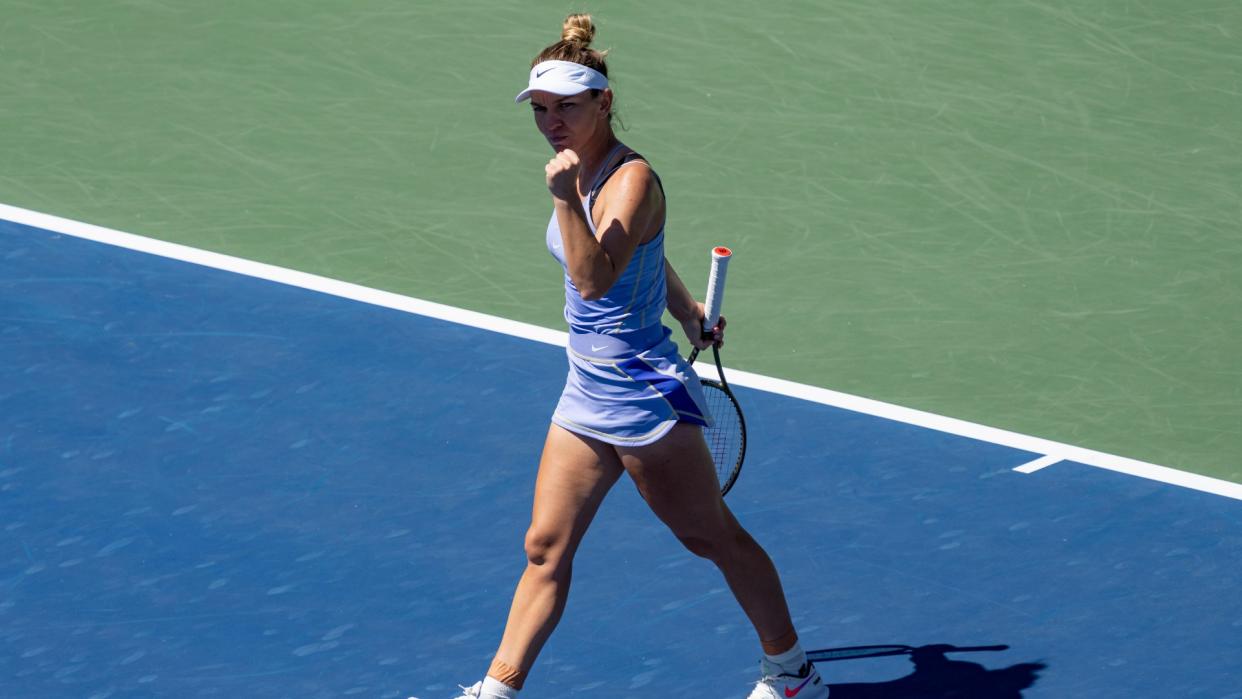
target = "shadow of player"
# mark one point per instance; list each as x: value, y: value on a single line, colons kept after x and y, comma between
x: 935, y: 676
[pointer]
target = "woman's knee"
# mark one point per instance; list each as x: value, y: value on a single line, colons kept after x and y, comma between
x: 701, y: 546
x: 716, y: 546
x: 546, y: 547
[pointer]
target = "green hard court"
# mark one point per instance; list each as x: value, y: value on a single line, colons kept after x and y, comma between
x: 1022, y: 214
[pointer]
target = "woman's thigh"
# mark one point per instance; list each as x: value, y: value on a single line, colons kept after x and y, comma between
x: 677, y: 478
x: 575, y: 474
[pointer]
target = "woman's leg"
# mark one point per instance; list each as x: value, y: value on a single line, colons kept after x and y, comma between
x: 678, y: 480
x: 575, y: 473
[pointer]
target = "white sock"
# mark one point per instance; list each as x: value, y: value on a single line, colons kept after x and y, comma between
x: 495, y: 689
x: 788, y: 663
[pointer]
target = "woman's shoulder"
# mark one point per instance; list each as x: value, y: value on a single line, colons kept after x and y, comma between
x: 631, y: 175
x: 633, y: 192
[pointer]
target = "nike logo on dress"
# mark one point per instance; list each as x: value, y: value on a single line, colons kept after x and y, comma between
x: 791, y: 693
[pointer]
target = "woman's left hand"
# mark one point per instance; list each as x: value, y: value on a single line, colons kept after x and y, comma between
x: 694, y: 331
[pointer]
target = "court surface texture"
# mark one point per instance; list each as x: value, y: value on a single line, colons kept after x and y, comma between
x: 280, y: 338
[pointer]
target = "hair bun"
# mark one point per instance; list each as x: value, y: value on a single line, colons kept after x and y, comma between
x: 578, y: 29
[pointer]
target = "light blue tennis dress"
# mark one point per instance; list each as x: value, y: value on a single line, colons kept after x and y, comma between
x: 627, y: 384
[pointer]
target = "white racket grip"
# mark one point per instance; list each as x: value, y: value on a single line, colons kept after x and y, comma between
x: 715, y: 287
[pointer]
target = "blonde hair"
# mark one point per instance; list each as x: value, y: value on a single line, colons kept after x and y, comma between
x: 577, y: 33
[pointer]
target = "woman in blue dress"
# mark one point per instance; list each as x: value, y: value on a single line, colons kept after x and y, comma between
x: 631, y: 405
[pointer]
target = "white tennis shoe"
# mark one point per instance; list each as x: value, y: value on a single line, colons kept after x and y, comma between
x: 807, y: 685
x: 472, y: 692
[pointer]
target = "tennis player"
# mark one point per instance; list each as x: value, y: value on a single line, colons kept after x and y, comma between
x: 631, y: 405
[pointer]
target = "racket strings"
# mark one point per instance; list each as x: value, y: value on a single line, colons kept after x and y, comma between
x: 725, y: 438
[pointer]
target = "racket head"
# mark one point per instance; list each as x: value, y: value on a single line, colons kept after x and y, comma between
x: 726, y: 438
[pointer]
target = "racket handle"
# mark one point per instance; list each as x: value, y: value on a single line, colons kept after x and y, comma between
x: 715, y: 287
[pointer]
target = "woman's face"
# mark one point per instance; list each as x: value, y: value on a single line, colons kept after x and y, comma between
x: 573, y: 121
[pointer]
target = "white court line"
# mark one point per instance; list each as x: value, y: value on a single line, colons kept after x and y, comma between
x: 1036, y: 445
x: 1040, y: 464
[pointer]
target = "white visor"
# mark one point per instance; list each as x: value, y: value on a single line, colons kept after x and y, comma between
x: 562, y: 78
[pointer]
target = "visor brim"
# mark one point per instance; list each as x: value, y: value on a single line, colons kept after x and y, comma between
x: 557, y: 87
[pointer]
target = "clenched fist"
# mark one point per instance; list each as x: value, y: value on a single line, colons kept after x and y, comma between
x: 562, y: 175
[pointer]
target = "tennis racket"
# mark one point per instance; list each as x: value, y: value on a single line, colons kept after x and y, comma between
x: 830, y: 654
x: 726, y: 438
